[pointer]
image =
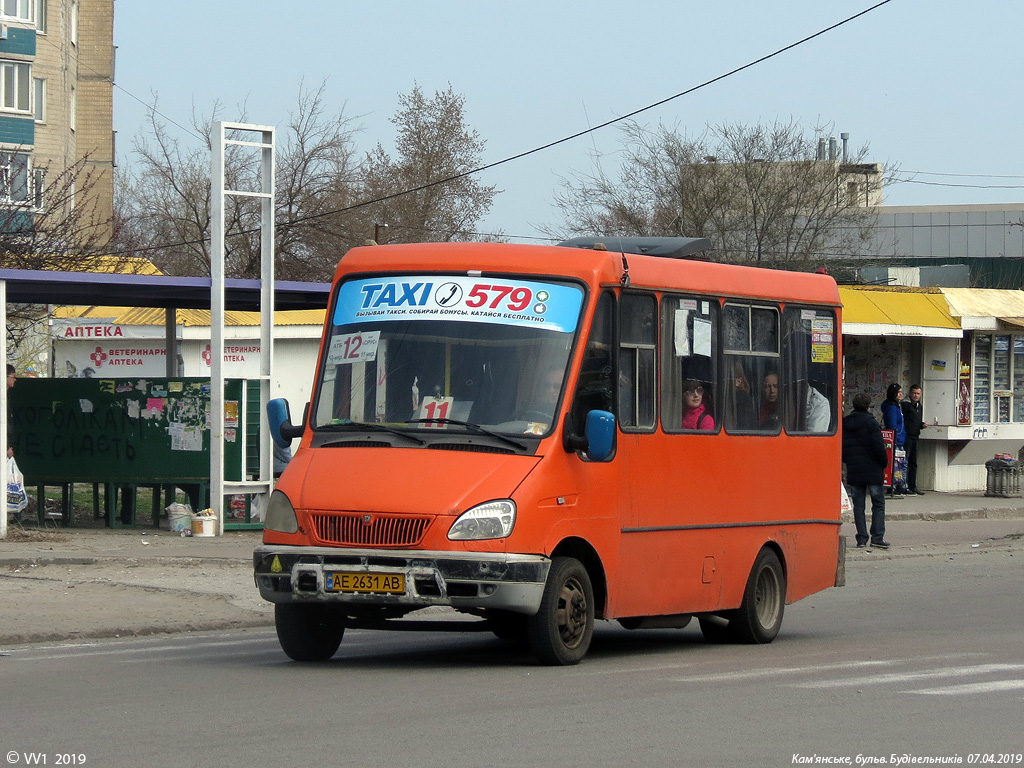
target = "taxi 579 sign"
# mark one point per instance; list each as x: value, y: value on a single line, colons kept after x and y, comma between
x: 512, y: 302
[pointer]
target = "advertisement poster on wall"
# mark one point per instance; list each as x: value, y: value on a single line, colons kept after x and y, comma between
x: 97, y: 349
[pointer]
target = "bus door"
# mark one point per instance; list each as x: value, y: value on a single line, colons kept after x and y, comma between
x: 669, y: 474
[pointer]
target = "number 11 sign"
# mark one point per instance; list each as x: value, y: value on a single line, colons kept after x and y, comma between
x: 436, y: 408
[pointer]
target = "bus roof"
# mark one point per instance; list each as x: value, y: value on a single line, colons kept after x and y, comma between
x: 665, y: 247
x: 595, y: 267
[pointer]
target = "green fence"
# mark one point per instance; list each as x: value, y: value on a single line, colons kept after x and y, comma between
x: 127, y: 433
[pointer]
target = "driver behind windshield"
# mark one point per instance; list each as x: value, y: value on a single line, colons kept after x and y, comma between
x: 537, y: 407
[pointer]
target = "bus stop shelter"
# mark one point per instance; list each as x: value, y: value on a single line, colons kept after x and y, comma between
x: 161, y: 291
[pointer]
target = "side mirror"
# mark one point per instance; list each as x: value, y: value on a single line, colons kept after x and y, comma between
x: 600, y: 432
x: 281, y: 428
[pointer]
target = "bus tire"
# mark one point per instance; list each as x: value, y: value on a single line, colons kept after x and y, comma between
x: 561, y: 631
x: 759, y: 617
x: 308, y: 632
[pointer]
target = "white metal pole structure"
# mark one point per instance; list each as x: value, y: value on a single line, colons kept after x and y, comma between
x: 265, y: 145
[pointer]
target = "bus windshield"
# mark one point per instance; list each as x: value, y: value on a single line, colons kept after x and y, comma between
x: 443, y: 352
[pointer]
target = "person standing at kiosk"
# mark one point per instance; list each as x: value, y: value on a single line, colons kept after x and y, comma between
x: 913, y: 423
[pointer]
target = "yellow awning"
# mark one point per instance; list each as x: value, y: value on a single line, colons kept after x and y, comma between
x: 885, y: 311
x: 984, y: 308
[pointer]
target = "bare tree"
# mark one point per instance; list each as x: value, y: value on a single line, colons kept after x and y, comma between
x: 52, y: 222
x: 326, y: 200
x: 433, y: 145
x: 163, y: 205
x: 764, y: 194
x: 49, y: 221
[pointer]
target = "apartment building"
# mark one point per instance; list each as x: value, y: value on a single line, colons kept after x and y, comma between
x: 56, y: 104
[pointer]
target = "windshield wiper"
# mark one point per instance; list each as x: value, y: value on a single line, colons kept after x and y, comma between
x: 474, y: 427
x: 372, y: 425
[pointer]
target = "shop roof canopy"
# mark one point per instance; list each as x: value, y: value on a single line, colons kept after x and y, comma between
x: 986, y: 309
x: 88, y: 288
x: 869, y: 311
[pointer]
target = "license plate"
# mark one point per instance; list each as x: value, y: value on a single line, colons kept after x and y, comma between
x: 374, y: 583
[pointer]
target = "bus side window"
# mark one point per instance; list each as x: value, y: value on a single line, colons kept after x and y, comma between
x: 689, y: 328
x: 741, y: 409
x: 751, y: 342
x: 594, y: 388
x: 637, y: 339
x: 809, y: 355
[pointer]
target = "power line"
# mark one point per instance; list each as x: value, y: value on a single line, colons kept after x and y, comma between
x: 965, y: 186
x: 959, y: 175
x: 598, y: 127
x: 557, y: 142
x: 151, y: 107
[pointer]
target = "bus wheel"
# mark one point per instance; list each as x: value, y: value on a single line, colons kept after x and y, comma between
x: 308, y: 632
x: 561, y: 631
x: 759, y: 617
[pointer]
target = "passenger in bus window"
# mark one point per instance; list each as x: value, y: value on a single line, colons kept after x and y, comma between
x: 550, y: 386
x: 743, y: 413
x: 819, y: 410
x: 695, y: 412
x: 769, y: 415
x: 537, y: 405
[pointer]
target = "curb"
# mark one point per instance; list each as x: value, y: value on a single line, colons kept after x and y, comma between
x: 1009, y: 513
x: 256, y: 622
x: 26, y: 561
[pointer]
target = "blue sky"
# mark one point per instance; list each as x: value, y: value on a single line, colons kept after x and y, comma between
x: 933, y: 86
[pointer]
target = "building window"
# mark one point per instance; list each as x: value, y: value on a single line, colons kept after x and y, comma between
x: 41, y: 16
x: 39, y: 99
x: 17, y: 9
x: 14, y: 173
x: 73, y: 109
x: 852, y: 192
x: 38, y: 187
x: 15, y: 91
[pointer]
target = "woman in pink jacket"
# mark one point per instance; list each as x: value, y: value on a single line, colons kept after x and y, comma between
x: 695, y: 412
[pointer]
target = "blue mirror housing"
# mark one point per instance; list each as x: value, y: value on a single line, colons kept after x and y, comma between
x: 281, y: 428
x: 600, y: 432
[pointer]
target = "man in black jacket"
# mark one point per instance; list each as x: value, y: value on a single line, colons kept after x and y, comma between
x: 865, y: 457
x: 913, y: 423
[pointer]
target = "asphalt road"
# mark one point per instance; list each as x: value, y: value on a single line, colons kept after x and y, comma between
x: 919, y: 655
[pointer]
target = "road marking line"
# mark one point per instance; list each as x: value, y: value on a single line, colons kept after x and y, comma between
x: 900, y: 677
x: 752, y: 673
x: 776, y: 671
x: 972, y: 688
x: 631, y: 670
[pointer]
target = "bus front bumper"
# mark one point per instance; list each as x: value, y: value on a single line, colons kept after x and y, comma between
x: 508, y: 582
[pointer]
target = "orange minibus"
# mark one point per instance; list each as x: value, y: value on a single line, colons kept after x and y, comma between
x: 543, y: 436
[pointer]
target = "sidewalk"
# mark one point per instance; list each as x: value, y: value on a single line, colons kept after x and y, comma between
x: 72, y: 584
x: 80, y: 583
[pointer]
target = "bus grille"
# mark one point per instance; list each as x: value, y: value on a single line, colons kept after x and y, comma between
x: 355, y: 530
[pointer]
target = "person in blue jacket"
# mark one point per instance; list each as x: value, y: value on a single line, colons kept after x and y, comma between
x: 892, y: 418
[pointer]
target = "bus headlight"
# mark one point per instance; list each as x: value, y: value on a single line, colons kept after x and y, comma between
x: 280, y: 514
x: 493, y: 520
